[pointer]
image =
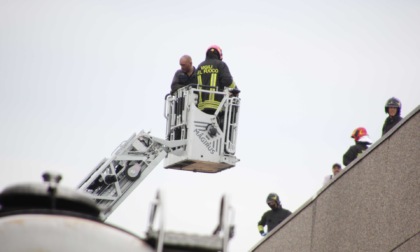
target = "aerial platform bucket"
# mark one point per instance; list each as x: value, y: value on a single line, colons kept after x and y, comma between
x: 210, y: 136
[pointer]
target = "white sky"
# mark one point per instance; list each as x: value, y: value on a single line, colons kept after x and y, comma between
x: 79, y: 77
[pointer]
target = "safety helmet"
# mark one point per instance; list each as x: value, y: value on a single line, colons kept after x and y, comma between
x: 273, y: 197
x: 358, y: 133
x: 216, y: 48
x: 393, y: 103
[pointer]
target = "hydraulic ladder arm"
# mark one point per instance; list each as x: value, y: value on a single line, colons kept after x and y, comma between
x: 113, y: 179
x: 197, y: 142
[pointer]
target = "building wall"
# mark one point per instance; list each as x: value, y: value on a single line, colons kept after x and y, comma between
x: 374, y: 205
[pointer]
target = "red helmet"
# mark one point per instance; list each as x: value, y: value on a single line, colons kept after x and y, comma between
x: 358, y: 133
x: 216, y: 48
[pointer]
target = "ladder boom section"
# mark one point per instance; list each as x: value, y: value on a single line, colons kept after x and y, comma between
x: 113, y: 179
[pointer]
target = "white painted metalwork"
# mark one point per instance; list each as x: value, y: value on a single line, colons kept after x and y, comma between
x: 113, y: 179
x: 211, y: 137
x: 196, y: 141
x: 218, y: 241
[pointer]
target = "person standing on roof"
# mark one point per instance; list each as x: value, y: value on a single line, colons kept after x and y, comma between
x: 336, y: 169
x: 272, y: 217
x: 362, y: 142
x: 213, y: 74
x: 184, y: 76
x: 393, y: 109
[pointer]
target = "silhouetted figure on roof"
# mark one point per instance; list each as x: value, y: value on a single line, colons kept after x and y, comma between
x: 274, y: 216
x: 336, y: 169
x: 362, y: 141
x: 393, y: 109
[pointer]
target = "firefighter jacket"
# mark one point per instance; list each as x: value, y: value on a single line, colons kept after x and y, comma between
x: 214, y: 75
x: 181, y: 79
x: 390, y: 122
x: 354, y: 151
x: 272, y: 218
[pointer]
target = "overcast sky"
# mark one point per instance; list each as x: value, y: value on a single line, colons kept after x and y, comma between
x: 79, y: 77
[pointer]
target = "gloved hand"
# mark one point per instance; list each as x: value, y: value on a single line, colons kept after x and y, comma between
x: 234, y: 92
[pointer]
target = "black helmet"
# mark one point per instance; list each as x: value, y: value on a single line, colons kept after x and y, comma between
x: 393, y: 103
x: 273, y: 197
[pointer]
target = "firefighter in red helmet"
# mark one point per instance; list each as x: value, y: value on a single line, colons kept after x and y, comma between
x: 362, y: 142
x: 213, y: 74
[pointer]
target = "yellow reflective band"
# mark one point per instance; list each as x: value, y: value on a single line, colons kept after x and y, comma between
x: 200, y: 82
x: 207, y: 104
x: 213, y: 80
x: 260, y: 228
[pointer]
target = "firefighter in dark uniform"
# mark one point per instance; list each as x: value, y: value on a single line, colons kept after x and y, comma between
x: 393, y: 109
x: 213, y: 74
x: 272, y: 217
x: 362, y: 142
x: 184, y: 76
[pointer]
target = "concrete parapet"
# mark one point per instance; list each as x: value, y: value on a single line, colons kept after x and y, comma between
x: 374, y: 205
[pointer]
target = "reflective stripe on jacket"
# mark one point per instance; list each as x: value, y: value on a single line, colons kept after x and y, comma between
x: 213, y: 75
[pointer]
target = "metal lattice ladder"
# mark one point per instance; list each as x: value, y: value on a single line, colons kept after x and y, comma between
x: 113, y: 179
